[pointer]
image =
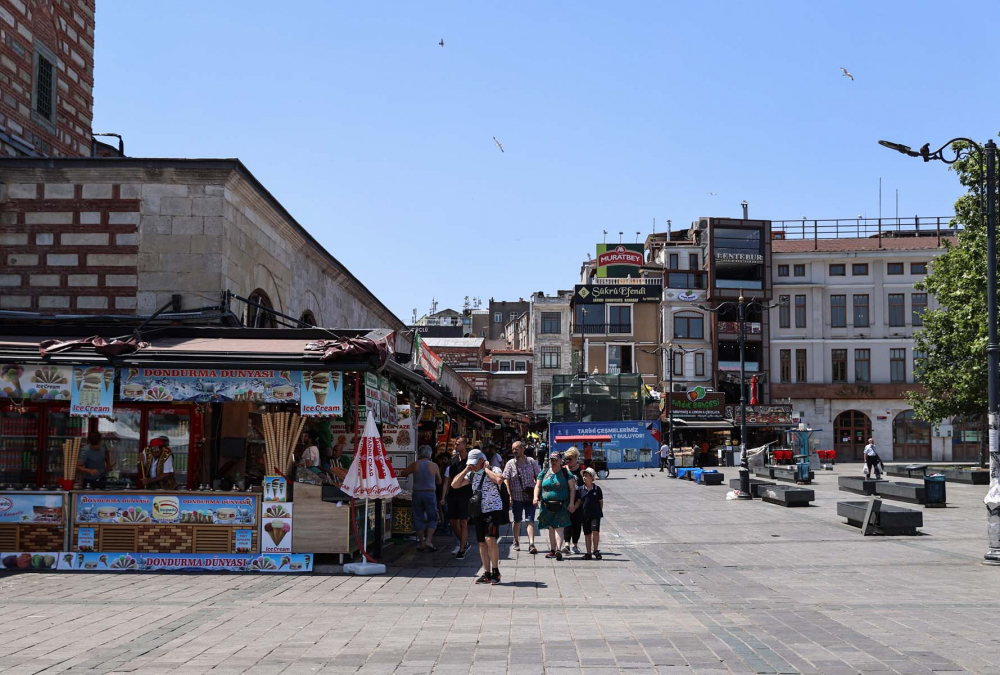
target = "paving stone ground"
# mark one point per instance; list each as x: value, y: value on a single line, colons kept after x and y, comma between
x: 691, y: 583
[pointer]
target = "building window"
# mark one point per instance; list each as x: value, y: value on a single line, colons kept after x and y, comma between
x: 861, y: 311
x: 897, y: 309
x: 838, y: 270
x: 894, y: 268
x: 689, y: 326
x: 800, y: 365
x: 520, y: 366
x: 800, y: 311
x: 619, y: 319
x: 551, y: 357
x: 782, y: 270
x: 800, y: 270
x: 513, y: 315
x: 551, y: 323
x: 699, y: 364
x: 498, y: 317
x: 838, y: 311
x: 619, y: 359
x: 692, y: 261
x: 678, y: 363
x: 308, y: 318
x: 862, y: 365
x: 918, y: 268
x: 503, y: 366
x: 785, y: 368
x: 918, y: 301
x: 258, y: 315
x: 897, y: 365
x: 784, y: 312
x: 859, y: 269
x: 918, y: 363
x: 838, y: 358
x: 675, y: 263
x: 43, y: 94
x: 546, y: 395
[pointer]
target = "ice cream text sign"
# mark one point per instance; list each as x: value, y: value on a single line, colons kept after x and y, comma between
x: 322, y: 393
x: 92, y: 391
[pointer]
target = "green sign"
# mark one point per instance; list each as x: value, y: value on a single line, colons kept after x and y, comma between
x: 619, y: 260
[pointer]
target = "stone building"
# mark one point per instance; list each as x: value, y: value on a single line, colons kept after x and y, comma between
x: 46, y: 77
x: 552, y: 353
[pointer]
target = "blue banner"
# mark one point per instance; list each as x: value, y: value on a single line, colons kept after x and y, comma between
x: 631, y: 443
x: 195, y: 508
x: 281, y: 563
x: 164, y: 385
x: 92, y: 391
x: 38, y: 509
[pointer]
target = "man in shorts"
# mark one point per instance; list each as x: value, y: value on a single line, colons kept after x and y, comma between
x: 457, y: 499
x: 520, y: 475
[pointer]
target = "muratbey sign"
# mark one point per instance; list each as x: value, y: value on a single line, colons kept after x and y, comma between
x: 597, y: 294
x: 619, y: 260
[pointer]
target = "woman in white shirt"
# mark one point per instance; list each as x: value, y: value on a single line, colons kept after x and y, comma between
x: 310, y: 456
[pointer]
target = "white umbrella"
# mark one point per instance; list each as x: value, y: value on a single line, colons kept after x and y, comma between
x: 370, y: 476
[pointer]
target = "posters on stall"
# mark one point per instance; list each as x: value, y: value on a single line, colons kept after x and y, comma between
x: 276, y: 529
x: 30, y: 562
x: 207, y: 508
x: 209, y: 385
x: 85, y: 539
x: 322, y: 393
x: 92, y: 391
x: 373, y: 396
x: 400, y: 436
x: 31, y: 508
x: 244, y: 541
x: 275, y: 489
x: 187, y: 562
x: 35, y: 382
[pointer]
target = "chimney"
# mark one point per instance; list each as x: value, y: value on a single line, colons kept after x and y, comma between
x: 745, y: 206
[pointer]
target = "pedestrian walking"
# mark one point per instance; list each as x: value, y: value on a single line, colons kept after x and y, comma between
x: 520, y: 475
x: 555, y: 491
x: 486, y: 510
x: 457, y: 499
x: 426, y: 479
x: 664, y: 454
x: 873, y: 463
x: 571, y: 535
x: 591, y: 500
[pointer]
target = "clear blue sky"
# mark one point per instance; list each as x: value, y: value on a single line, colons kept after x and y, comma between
x: 611, y: 114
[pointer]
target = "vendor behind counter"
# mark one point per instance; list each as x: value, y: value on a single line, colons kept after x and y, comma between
x: 94, y: 463
x: 156, y: 465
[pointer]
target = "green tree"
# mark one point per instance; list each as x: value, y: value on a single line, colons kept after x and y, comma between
x: 954, y: 336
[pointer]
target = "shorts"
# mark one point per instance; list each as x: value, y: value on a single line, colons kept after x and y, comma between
x: 488, y: 525
x: 525, y: 509
x: 424, y: 510
x: 458, y: 506
x: 591, y: 525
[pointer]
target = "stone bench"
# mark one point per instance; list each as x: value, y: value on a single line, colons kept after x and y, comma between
x: 890, y: 520
x: 709, y: 477
x: 755, y: 485
x: 786, y: 495
x: 906, y: 470
x: 859, y: 485
x: 788, y: 473
x: 913, y: 493
x: 970, y: 476
x: 766, y: 472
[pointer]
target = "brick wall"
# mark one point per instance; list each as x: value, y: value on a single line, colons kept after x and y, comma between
x: 69, y: 248
x: 461, y: 357
x: 62, y: 30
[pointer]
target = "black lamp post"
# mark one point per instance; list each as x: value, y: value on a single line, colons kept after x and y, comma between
x: 741, y: 307
x: 987, y: 155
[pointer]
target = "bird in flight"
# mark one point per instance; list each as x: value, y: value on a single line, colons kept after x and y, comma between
x: 499, y: 144
x: 712, y: 193
x: 442, y: 42
x: 847, y: 74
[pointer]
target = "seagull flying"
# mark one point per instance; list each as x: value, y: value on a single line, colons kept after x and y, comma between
x: 442, y: 42
x: 499, y: 144
x: 847, y: 74
x: 712, y: 193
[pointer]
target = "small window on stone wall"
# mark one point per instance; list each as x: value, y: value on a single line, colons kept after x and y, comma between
x: 308, y: 318
x: 257, y: 314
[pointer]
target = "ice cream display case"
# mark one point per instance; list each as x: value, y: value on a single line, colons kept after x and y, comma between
x: 32, y: 528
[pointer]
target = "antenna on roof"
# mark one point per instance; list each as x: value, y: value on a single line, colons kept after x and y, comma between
x: 620, y: 233
x: 605, y: 236
x: 637, y: 236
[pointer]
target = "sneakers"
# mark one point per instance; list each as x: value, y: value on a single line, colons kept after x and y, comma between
x: 517, y: 546
x: 496, y: 578
x: 455, y: 550
x: 485, y: 579
x: 460, y: 555
x: 565, y: 549
x: 597, y: 555
x: 552, y: 554
x: 576, y: 550
x: 533, y: 550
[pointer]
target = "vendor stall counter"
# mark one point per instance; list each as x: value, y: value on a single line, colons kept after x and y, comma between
x: 32, y: 521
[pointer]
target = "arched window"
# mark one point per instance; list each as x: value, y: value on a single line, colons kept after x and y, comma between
x: 257, y: 317
x: 308, y: 318
x: 911, y: 438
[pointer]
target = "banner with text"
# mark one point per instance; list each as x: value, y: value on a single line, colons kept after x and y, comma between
x: 626, y: 293
x: 92, y: 391
x: 209, y: 385
x: 322, y: 393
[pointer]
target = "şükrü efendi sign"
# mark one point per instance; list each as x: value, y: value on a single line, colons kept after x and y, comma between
x: 596, y: 294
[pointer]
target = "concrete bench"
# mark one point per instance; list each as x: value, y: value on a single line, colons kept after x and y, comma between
x: 766, y: 472
x: 755, y: 485
x: 970, y: 476
x: 906, y: 470
x: 859, y: 485
x: 709, y: 477
x: 890, y: 520
x: 686, y: 472
x: 786, y: 495
x: 788, y: 474
x: 913, y: 493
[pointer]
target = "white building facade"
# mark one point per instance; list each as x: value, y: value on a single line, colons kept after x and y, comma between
x: 549, y: 340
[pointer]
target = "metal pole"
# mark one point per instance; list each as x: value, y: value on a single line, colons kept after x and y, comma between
x: 992, y: 357
x: 744, y: 460
x: 671, y: 460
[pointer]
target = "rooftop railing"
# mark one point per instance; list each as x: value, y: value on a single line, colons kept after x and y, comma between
x: 864, y: 228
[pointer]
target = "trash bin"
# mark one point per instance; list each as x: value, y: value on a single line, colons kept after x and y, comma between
x: 934, y: 489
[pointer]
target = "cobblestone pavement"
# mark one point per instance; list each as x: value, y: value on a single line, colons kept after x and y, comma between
x: 691, y: 583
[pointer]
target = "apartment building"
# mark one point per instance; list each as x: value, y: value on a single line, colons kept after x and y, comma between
x: 549, y: 337
x: 842, y: 350
x: 502, y: 312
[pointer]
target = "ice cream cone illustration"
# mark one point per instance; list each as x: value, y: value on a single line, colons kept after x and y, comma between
x: 109, y: 378
x: 284, y: 561
x: 334, y: 380
x: 319, y: 385
x: 78, y: 376
x: 278, y: 531
x: 132, y: 372
x: 286, y: 375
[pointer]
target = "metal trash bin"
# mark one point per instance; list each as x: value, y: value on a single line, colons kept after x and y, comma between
x: 934, y: 489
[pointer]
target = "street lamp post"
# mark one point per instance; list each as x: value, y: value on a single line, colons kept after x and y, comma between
x: 987, y: 155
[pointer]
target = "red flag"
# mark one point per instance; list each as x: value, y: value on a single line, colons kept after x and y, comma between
x: 753, y: 390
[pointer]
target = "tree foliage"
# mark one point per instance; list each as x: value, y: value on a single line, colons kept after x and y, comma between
x: 954, y: 336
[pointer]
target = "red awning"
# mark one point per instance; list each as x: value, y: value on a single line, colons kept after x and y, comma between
x: 583, y: 439
x: 477, y: 415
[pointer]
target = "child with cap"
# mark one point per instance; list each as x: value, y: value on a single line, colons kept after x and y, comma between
x: 591, y: 501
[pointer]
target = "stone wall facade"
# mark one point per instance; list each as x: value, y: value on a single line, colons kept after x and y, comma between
x: 549, y: 342
x: 46, y: 77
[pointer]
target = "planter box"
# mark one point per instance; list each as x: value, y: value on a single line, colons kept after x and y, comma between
x: 891, y: 520
x: 787, y: 495
x: 859, y: 485
x: 755, y: 485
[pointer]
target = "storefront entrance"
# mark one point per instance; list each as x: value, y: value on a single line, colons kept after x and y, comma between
x: 911, y: 438
x: 851, y: 431
x: 967, y: 438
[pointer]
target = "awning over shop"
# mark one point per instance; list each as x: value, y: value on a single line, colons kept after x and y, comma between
x: 703, y: 424
x: 473, y: 415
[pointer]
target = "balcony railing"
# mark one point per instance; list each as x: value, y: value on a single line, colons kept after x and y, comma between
x: 602, y: 328
x: 617, y: 281
x: 860, y: 228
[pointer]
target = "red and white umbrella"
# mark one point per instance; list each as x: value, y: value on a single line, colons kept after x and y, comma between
x: 371, y: 475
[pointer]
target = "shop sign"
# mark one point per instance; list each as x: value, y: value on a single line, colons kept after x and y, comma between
x: 743, y: 258
x: 208, y: 509
x: 762, y: 414
x: 619, y: 260
x: 322, y: 393
x: 92, y: 391
x: 699, y: 404
x: 753, y: 327
x: 624, y: 435
x: 31, y: 508
x: 373, y: 396
x: 35, y: 383
x: 276, y: 529
x: 400, y: 437
x: 163, y: 385
x: 31, y: 562
x: 625, y: 293
x: 85, y: 539
x: 429, y: 361
x: 688, y: 296
x: 275, y: 489
x: 177, y: 562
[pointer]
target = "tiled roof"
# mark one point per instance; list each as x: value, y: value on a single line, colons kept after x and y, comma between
x: 863, y: 244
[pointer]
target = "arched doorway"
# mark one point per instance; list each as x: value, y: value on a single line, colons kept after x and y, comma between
x: 257, y: 314
x: 911, y: 438
x: 851, y: 431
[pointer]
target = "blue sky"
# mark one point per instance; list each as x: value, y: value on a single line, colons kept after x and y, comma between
x: 379, y: 141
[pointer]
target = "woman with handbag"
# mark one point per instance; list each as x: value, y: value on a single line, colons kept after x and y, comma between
x: 486, y: 510
x: 555, y: 490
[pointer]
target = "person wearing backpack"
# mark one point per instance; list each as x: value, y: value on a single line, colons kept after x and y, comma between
x: 555, y: 491
x: 486, y: 510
